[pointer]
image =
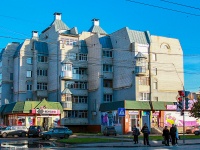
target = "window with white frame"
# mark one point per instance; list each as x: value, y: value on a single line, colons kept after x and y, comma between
x: 41, y: 86
x: 107, y: 68
x: 154, y: 57
x: 143, y: 81
x: 144, y: 96
x: 28, y: 73
x: 66, y: 97
x: 154, y: 71
x: 29, y: 60
x: 42, y: 58
x: 107, y: 98
x: 41, y: 72
x: 82, y: 57
x: 71, y: 41
x: 107, y: 53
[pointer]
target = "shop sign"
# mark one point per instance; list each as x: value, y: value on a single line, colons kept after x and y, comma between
x: 171, y: 107
x: 45, y: 111
x: 133, y: 112
x: 156, y: 113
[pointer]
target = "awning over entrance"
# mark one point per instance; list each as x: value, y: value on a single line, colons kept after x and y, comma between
x: 161, y: 105
x: 27, y: 106
x: 134, y: 105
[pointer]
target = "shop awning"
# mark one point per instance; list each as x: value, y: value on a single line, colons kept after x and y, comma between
x: 161, y: 105
x: 127, y: 104
x: 135, y: 105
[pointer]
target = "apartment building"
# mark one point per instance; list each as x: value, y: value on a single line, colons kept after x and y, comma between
x: 92, y: 74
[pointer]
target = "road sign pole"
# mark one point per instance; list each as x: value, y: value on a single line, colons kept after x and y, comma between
x: 183, y: 120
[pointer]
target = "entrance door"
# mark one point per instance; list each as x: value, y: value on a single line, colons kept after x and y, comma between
x: 134, y: 121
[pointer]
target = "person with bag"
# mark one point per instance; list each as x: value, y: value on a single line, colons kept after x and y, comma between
x: 136, y: 133
x: 166, y: 136
x: 146, y: 132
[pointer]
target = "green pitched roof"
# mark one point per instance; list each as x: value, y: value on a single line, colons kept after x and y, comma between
x: 27, y: 106
x: 137, y: 105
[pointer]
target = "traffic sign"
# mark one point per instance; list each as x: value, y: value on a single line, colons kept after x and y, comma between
x: 121, y: 112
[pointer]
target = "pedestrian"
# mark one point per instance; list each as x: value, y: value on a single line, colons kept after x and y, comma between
x: 173, y: 134
x: 145, y: 131
x: 166, y: 136
x: 136, y: 133
x: 177, y: 136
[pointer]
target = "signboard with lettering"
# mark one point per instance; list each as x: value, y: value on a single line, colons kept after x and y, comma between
x: 45, y: 111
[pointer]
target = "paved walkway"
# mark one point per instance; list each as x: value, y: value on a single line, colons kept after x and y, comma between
x: 131, y: 144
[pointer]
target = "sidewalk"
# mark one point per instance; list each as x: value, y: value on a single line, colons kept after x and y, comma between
x: 130, y: 143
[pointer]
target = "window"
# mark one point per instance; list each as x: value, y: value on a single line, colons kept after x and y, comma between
x: 76, y: 114
x: 154, y: 71
x: 155, y: 85
x: 77, y: 85
x: 67, y: 67
x: 143, y: 81
x: 42, y: 86
x: 28, y: 74
x: 144, y: 96
x: 42, y: 72
x: 29, y: 60
x: 154, y: 57
x: 82, y: 57
x: 79, y: 99
x: 71, y: 41
x: 107, y: 83
x: 107, y: 68
x: 80, y: 71
x: 11, y: 76
x: 107, y: 98
x: 42, y: 58
x: 29, y: 87
x: 107, y: 53
x: 66, y: 97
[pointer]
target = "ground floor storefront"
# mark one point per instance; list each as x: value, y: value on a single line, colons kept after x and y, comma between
x: 43, y: 113
x: 155, y: 114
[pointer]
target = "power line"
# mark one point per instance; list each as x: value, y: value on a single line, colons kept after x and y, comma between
x: 163, y: 8
x: 181, y: 4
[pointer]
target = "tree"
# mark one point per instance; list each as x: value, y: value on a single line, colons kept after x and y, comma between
x: 195, y: 110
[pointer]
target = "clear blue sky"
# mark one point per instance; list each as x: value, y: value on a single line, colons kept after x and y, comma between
x: 169, y: 18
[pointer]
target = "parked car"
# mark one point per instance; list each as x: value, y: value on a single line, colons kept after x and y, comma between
x: 110, y: 130
x: 57, y: 132
x: 191, y: 130
x: 14, y: 130
x: 34, y: 131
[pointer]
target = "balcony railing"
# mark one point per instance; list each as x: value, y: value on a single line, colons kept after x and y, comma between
x: 67, y: 105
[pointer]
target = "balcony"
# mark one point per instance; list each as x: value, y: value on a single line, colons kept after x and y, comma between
x: 140, y: 71
x: 67, y: 105
x: 107, y: 90
x: 80, y: 77
x: 80, y: 106
x: 74, y: 121
x: 66, y: 75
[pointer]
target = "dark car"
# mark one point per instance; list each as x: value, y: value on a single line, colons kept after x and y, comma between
x: 57, y: 132
x: 110, y: 130
x: 34, y: 131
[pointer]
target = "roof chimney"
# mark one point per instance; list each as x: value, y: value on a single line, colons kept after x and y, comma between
x: 34, y: 34
x: 95, y: 22
x: 57, y: 16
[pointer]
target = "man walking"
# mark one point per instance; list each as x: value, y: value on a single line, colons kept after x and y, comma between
x: 173, y: 134
x: 145, y: 131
